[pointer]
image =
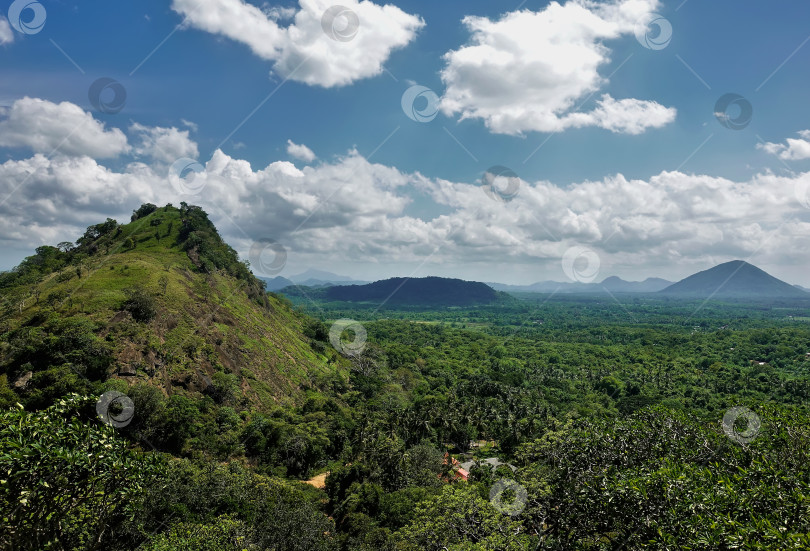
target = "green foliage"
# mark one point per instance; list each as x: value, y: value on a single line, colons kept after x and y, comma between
x: 142, y: 211
x: 266, y: 513
x: 223, y: 534
x: 459, y: 518
x: 140, y: 304
x: 63, y: 353
x: 66, y: 477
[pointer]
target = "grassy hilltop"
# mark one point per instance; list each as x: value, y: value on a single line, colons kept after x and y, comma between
x: 161, y: 300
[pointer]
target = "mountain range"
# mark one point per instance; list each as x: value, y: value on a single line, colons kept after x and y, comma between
x: 612, y: 284
x: 735, y: 279
x: 311, y: 278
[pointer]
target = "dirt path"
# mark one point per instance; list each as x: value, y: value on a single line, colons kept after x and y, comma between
x: 318, y: 481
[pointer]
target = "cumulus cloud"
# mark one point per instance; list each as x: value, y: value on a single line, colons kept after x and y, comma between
x: 302, y: 50
x: 6, y: 34
x: 350, y: 210
x: 792, y: 150
x: 527, y: 71
x: 164, y: 145
x: 300, y: 151
x: 58, y: 128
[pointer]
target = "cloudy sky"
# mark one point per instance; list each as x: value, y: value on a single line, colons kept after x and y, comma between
x: 478, y: 139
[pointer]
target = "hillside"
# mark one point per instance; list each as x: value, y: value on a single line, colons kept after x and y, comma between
x: 735, y: 279
x: 427, y: 291
x: 161, y: 301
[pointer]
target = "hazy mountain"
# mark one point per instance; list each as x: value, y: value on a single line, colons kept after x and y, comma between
x: 649, y: 285
x: 734, y: 279
x: 318, y: 278
x: 613, y: 284
x: 277, y: 283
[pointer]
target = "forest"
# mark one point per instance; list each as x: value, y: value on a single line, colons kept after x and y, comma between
x: 543, y: 422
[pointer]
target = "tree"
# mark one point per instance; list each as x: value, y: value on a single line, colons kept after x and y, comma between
x: 66, y: 477
x: 459, y: 518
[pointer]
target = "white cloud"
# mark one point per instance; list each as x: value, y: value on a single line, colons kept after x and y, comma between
x: 63, y: 128
x: 302, y: 51
x: 300, y: 151
x: 527, y: 71
x: 190, y: 125
x: 793, y: 150
x: 6, y: 34
x: 164, y: 145
x: 351, y: 212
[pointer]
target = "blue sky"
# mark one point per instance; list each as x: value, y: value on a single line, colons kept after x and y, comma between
x: 205, y: 78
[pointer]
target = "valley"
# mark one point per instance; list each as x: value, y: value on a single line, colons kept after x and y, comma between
x: 263, y: 418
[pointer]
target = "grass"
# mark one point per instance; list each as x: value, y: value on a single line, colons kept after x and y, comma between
x: 205, y: 322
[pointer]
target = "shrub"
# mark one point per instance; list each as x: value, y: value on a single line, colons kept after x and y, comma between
x: 140, y: 304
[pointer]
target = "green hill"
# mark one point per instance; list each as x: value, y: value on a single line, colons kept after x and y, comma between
x: 404, y: 292
x: 161, y: 301
x: 735, y: 279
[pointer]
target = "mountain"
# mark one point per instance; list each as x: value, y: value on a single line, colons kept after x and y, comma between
x: 649, y: 285
x: 161, y: 301
x: 735, y: 279
x: 277, y: 283
x: 318, y: 278
x: 422, y: 291
x: 613, y: 284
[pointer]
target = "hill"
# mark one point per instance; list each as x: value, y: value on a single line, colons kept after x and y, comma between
x: 161, y: 301
x: 420, y: 291
x: 735, y: 279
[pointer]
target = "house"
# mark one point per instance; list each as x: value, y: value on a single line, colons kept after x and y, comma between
x: 456, y: 468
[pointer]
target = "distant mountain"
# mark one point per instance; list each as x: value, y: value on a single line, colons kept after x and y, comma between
x: 328, y: 282
x: 319, y: 278
x: 437, y: 291
x: 649, y: 285
x: 613, y: 284
x: 277, y: 283
x: 735, y: 279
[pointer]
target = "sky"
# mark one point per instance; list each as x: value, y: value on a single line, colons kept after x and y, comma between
x: 495, y: 141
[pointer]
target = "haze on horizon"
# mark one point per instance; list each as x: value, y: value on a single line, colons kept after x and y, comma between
x: 635, y: 138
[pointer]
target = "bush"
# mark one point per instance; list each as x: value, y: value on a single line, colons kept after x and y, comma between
x: 144, y: 210
x: 140, y: 304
